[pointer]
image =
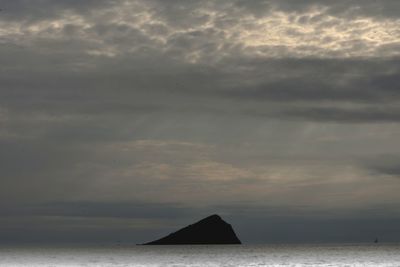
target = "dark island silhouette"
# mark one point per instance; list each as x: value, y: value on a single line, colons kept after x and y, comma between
x: 208, y: 231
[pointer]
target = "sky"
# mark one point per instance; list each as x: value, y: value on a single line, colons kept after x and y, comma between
x: 124, y: 120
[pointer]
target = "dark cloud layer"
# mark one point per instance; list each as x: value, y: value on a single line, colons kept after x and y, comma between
x: 105, y: 222
x: 99, y: 209
x: 313, y: 89
x: 387, y: 165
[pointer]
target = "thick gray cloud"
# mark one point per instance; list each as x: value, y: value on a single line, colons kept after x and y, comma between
x: 112, y: 110
x: 387, y: 165
x: 99, y: 209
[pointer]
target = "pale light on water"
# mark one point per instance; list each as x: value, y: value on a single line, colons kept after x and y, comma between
x: 244, y: 255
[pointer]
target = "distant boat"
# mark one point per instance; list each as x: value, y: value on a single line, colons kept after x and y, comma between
x: 376, y: 240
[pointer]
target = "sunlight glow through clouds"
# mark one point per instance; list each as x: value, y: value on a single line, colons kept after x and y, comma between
x: 275, y: 34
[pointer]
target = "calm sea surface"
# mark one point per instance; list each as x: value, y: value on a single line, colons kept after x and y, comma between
x: 245, y: 255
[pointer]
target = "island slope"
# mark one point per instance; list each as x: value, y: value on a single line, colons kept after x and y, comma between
x: 208, y: 231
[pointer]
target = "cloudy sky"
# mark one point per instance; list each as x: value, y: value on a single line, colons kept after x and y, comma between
x: 122, y: 120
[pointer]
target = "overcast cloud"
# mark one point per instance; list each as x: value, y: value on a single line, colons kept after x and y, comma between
x: 137, y: 117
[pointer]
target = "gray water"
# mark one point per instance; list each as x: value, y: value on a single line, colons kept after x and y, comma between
x: 234, y: 255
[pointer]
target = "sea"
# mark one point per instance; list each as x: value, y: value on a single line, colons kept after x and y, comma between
x: 202, y: 255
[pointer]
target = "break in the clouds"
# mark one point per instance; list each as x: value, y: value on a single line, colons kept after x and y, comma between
x: 287, y: 109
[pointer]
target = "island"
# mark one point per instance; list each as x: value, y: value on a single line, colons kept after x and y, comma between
x: 211, y: 230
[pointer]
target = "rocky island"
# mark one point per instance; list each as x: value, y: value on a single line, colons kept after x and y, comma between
x: 208, y: 231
